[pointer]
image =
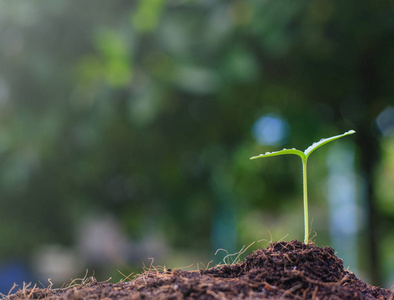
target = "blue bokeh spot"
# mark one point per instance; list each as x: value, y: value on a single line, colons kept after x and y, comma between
x: 271, y: 130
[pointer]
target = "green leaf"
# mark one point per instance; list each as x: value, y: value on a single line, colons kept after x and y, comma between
x: 304, y: 155
x: 281, y: 152
x: 322, y: 142
x: 145, y: 18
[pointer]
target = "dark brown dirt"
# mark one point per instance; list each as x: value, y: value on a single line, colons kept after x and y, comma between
x: 285, y: 270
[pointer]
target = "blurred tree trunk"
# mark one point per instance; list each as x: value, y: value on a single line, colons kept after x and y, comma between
x: 369, y: 159
x: 370, y: 156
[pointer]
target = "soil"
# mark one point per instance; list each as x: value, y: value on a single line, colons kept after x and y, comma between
x: 285, y: 270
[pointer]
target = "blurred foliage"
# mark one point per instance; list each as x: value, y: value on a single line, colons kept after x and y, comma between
x: 144, y: 109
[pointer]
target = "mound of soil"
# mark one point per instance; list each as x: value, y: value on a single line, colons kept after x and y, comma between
x: 285, y: 270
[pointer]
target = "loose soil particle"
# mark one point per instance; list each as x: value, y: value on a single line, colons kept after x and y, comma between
x: 285, y: 270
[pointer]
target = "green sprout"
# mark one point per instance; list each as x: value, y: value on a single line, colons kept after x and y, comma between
x: 304, y: 157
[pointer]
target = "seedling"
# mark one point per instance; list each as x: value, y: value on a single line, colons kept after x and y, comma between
x: 304, y: 157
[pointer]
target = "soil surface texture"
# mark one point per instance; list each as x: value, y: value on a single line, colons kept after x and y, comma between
x: 285, y: 270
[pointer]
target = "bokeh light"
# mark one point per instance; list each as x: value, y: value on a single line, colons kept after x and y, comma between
x: 271, y: 130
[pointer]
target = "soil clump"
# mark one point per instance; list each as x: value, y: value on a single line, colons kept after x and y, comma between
x: 285, y: 270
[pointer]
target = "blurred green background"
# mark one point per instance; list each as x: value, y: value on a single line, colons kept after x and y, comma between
x: 126, y: 129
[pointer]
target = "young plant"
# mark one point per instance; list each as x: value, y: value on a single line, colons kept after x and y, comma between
x: 304, y: 157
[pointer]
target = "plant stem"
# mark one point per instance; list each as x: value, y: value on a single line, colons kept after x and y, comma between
x: 305, y: 191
